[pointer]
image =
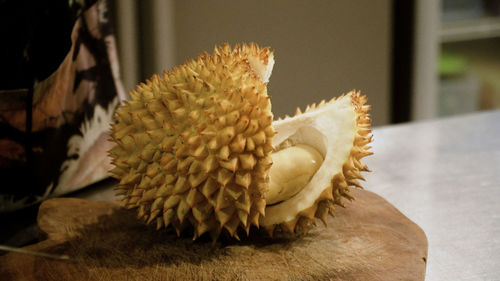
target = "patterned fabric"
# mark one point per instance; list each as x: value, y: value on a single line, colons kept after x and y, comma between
x: 58, y: 91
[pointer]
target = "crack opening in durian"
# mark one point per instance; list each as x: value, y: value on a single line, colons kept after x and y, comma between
x: 331, y: 130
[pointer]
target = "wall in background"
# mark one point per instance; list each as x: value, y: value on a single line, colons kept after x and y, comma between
x: 322, y: 48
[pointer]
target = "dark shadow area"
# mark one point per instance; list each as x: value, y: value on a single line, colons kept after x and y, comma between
x: 120, y: 240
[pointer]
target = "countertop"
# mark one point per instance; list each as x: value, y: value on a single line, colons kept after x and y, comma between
x: 445, y: 176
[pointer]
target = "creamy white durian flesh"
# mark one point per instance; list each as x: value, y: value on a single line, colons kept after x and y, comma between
x: 340, y: 131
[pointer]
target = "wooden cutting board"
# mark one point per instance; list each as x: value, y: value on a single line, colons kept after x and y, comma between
x: 367, y: 240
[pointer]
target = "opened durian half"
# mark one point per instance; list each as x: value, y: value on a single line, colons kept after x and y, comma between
x: 197, y: 148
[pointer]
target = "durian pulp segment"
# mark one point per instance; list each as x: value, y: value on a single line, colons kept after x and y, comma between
x: 339, y: 131
x: 293, y: 167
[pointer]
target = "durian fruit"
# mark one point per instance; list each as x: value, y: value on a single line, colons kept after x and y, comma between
x: 193, y: 147
x: 197, y: 147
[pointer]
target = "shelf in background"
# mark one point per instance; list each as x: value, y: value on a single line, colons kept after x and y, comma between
x: 465, y: 30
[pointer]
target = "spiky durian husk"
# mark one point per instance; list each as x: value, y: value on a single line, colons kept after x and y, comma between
x: 340, y: 182
x: 192, y: 147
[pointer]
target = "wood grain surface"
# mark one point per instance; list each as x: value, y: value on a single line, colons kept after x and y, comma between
x: 367, y: 240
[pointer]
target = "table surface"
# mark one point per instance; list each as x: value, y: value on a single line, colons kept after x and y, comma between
x: 445, y: 176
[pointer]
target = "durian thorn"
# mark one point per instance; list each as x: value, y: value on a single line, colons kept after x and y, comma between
x: 214, y: 233
x: 309, y: 212
x: 303, y: 224
x: 152, y: 216
x: 247, y: 229
x: 235, y: 235
x: 159, y: 223
x: 298, y: 111
x: 322, y: 211
x: 270, y: 230
x: 289, y: 226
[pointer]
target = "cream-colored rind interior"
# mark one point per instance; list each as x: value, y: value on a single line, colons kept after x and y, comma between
x: 331, y: 130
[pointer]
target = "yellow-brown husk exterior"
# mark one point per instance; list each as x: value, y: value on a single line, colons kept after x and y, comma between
x: 193, y: 147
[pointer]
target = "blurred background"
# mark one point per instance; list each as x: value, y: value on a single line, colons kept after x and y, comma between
x: 415, y: 60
